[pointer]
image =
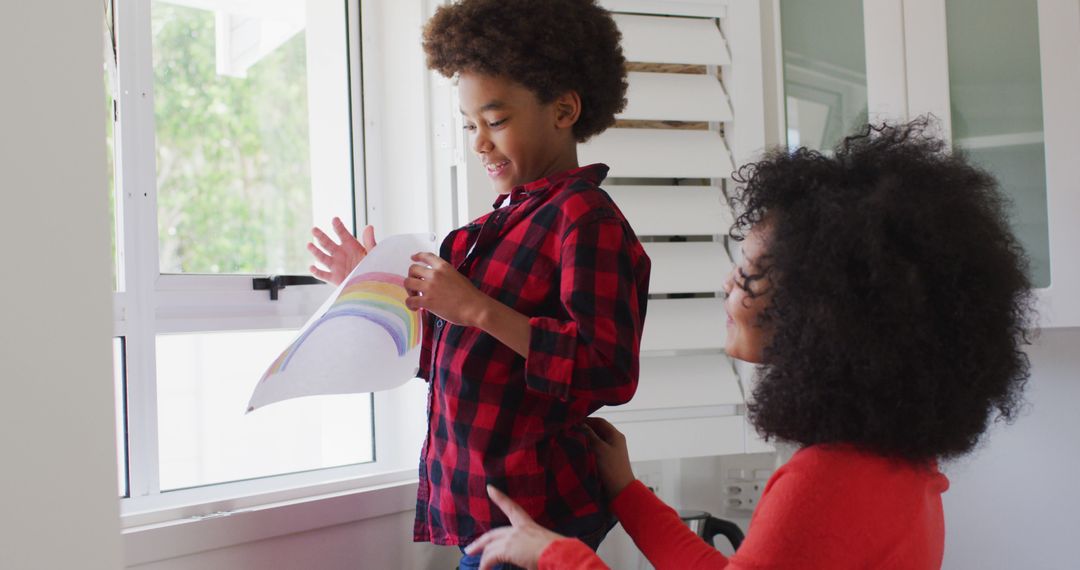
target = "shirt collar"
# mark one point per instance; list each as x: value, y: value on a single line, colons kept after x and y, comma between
x: 593, y: 173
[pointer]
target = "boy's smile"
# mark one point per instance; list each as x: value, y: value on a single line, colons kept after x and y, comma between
x: 517, y: 137
x: 497, y: 168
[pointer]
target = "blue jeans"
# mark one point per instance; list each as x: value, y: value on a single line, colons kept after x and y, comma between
x: 592, y: 540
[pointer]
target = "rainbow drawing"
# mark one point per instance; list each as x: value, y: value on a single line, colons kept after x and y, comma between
x: 377, y: 297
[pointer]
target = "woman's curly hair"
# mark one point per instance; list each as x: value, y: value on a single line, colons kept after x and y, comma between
x: 549, y: 46
x: 899, y: 300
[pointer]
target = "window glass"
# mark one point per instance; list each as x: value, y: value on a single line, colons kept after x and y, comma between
x: 236, y: 130
x: 824, y: 70
x: 204, y: 383
x: 995, y: 89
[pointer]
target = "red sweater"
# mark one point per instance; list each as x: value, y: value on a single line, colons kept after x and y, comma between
x: 829, y: 507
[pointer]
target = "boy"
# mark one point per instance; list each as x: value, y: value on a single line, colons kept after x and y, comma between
x: 534, y: 311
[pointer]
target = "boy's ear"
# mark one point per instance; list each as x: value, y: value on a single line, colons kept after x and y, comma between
x: 567, y: 109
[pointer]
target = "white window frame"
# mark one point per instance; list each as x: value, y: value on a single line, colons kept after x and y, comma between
x: 161, y: 525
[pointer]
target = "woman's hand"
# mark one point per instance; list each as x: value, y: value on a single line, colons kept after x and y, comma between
x: 339, y: 258
x: 520, y: 544
x: 435, y: 285
x: 612, y: 457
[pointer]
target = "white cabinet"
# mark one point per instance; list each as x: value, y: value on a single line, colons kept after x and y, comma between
x: 1003, y: 76
x: 1059, y: 46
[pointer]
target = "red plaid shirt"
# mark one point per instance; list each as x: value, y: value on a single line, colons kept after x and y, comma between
x: 561, y: 253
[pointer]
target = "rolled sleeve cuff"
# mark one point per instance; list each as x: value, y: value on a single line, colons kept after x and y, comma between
x: 549, y: 368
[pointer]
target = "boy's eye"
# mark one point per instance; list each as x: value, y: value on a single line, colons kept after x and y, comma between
x: 469, y: 127
x: 494, y: 124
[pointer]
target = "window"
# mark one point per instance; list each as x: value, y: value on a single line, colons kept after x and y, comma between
x: 236, y: 129
x: 824, y: 59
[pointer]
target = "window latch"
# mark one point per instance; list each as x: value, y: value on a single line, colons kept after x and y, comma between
x: 275, y: 283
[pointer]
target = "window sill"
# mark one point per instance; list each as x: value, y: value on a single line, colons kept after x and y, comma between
x: 369, y: 497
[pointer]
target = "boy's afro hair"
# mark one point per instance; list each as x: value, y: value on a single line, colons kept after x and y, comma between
x: 549, y: 46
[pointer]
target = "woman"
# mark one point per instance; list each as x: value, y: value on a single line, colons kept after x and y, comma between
x: 886, y: 301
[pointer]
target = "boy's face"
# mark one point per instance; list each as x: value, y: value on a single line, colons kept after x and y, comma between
x: 518, y: 138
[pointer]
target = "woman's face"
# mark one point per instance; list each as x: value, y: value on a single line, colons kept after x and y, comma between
x: 748, y: 291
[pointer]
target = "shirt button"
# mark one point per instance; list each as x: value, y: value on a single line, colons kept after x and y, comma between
x: 439, y: 323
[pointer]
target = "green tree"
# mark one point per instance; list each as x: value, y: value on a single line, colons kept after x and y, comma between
x: 233, y: 171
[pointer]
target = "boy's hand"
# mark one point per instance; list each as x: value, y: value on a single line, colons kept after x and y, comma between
x: 339, y: 258
x: 520, y: 544
x: 435, y: 285
x: 612, y: 456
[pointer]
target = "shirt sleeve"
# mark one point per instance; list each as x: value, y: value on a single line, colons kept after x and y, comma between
x: 569, y: 554
x: 603, y: 287
x: 661, y: 535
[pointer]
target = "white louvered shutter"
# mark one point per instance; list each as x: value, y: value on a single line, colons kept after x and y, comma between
x: 669, y: 160
x: 692, y: 114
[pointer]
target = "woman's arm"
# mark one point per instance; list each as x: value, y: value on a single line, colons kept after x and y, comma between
x: 529, y: 545
x: 660, y: 534
x: 655, y: 527
x: 520, y: 544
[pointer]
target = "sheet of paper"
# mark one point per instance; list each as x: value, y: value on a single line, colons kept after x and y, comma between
x: 362, y: 339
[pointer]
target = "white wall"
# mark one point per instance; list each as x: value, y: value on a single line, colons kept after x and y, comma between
x: 56, y: 413
x: 1015, y: 503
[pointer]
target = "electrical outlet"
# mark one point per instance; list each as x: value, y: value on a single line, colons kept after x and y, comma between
x: 743, y: 488
x: 652, y: 481
x: 651, y: 474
